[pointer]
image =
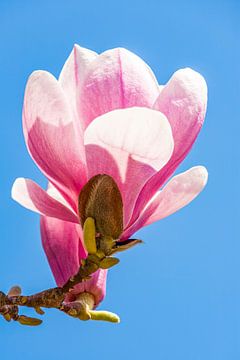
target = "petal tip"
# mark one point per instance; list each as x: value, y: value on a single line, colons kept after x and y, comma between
x: 15, y: 186
x: 192, y: 78
x: 200, y: 176
x: 36, y: 74
x: 203, y: 174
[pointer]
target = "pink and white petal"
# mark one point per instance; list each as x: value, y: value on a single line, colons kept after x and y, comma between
x: 52, y: 136
x: 73, y: 75
x: 183, y: 101
x: 96, y: 286
x: 55, y: 194
x: 130, y: 145
x: 176, y: 194
x: 62, y: 245
x: 33, y: 197
x: 117, y: 79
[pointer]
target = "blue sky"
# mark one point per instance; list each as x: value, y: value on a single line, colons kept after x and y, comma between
x: 178, y: 295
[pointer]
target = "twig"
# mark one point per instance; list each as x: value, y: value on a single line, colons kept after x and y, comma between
x: 50, y: 298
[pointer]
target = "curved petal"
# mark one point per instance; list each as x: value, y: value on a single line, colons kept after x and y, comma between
x: 183, y: 101
x: 96, y: 286
x: 117, y: 79
x: 33, y: 197
x: 63, y: 247
x: 176, y: 194
x: 130, y: 145
x: 51, y: 135
x: 54, y: 193
x: 73, y: 74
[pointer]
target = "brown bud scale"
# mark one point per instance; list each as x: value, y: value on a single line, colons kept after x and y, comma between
x: 101, y: 199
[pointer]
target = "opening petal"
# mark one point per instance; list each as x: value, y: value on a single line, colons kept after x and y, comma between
x: 177, y: 193
x: 183, y: 101
x: 51, y: 135
x: 30, y: 195
x: 117, y: 79
x: 130, y: 145
x: 72, y: 76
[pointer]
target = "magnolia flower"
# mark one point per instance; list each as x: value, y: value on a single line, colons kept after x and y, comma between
x: 107, y: 114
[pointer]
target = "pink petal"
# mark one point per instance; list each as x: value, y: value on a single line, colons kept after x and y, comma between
x: 30, y: 195
x: 130, y: 145
x: 117, y: 79
x: 73, y: 74
x: 52, y: 136
x: 63, y: 247
x: 96, y: 286
x: 55, y: 194
x: 179, y: 192
x: 183, y: 101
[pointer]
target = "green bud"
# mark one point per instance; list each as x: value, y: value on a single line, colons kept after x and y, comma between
x: 39, y: 310
x: 25, y: 320
x: 108, y: 262
x: 104, y: 316
x: 89, y: 236
x: 7, y: 317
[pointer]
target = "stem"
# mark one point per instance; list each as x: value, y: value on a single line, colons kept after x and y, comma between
x: 50, y: 298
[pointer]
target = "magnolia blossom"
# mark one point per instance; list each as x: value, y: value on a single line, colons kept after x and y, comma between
x: 107, y: 114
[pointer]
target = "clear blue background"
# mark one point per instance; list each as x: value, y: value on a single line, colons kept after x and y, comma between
x: 179, y: 294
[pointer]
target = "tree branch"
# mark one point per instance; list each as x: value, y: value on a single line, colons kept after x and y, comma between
x: 50, y: 298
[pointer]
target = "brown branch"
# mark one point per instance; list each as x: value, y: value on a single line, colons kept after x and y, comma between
x: 54, y: 297
x: 50, y: 298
